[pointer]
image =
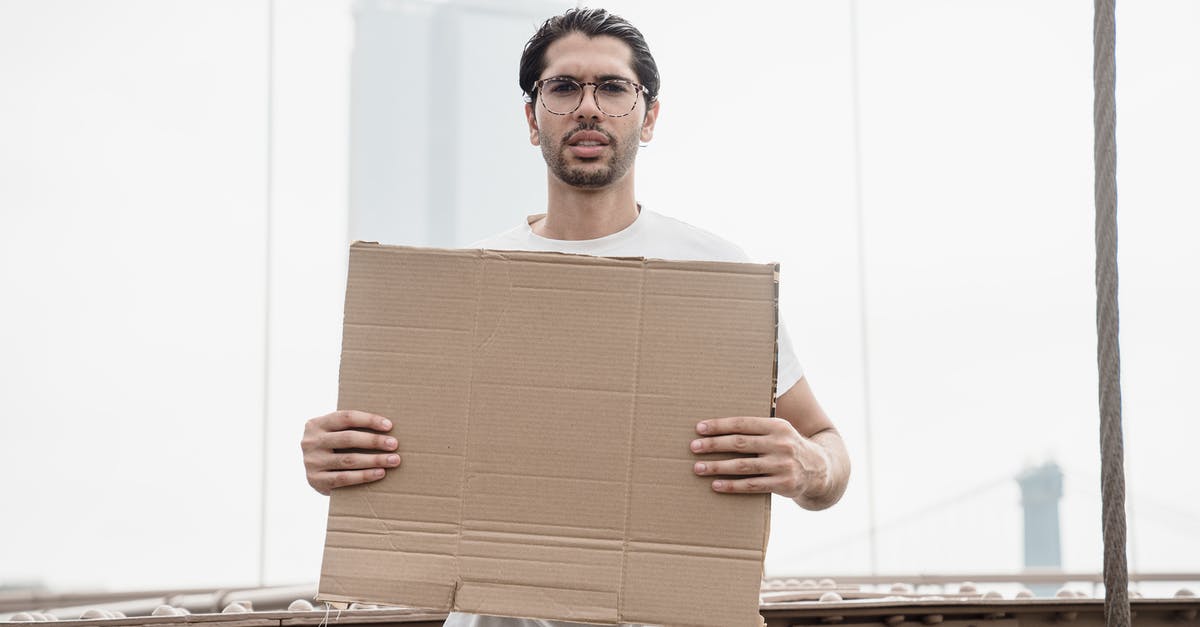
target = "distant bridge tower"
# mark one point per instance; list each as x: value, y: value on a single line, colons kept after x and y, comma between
x: 1041, y: 490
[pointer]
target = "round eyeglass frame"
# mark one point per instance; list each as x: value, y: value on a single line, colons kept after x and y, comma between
x: 639, y: 90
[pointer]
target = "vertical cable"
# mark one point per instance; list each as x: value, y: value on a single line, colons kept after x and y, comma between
x: 266, y: 371
x: 1108, y: 350
x: 872, y: 526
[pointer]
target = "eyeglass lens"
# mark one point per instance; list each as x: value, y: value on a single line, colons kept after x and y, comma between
x: 613, y: 97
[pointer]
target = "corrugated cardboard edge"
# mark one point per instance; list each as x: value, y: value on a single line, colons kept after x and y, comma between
x: 774, y: 396
x: 337, y: 600
x: 775, y: 357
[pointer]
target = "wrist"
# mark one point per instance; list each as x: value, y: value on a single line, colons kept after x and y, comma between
x: 825, y: 480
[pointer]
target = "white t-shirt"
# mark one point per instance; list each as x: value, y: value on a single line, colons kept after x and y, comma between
x: 652, y: 235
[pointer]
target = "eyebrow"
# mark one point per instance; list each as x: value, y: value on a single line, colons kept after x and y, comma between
x: 599, y: 79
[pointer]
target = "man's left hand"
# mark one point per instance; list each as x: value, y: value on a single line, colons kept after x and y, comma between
x: 783, y: 462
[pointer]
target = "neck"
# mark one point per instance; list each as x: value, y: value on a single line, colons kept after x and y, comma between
x: 573, y: 213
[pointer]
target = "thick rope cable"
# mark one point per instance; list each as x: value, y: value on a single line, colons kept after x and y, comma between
x: 1112, y: 474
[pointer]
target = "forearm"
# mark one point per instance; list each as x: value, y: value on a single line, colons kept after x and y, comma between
x: 837, y: 471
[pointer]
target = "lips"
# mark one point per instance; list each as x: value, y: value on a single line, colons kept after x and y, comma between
x: 588, y: 138
x: 587, y: 144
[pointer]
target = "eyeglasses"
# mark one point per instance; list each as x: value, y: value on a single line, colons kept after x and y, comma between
x: 615, y: 97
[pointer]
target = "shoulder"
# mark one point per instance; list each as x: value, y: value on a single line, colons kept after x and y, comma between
x: 512, y: 239
x: 686, y: 241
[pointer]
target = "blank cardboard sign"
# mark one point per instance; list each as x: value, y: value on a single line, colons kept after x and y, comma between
x: 544, y: 404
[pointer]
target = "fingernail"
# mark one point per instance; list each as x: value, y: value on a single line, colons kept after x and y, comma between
x: 376, y: 472
x: 392, y: 460
x: 696, y: 444
x: 718, y: 485
x: 702, y: 427
x: 390, y: 442
x: 387, y: 425
x: 700, y: 468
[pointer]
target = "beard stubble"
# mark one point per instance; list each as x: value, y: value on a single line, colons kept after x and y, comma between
x: 624, y: 151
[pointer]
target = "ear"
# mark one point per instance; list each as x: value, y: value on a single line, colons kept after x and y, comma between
x: 648, y: 122
x: 531, y: 119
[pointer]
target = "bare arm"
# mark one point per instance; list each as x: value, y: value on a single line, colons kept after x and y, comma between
x: 799, y: 454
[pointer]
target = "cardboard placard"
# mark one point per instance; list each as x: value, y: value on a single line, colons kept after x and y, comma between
x: 544, y: 404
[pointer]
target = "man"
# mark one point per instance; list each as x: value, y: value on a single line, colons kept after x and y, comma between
x: 591, y: 90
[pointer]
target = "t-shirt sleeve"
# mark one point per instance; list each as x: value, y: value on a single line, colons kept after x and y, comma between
x: 788, y: 370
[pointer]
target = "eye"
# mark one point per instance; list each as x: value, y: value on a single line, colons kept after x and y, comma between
x: 561, y: 87
x: 615, y: 88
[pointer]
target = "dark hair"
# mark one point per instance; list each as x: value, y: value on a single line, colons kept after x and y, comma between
x: 593, y: 23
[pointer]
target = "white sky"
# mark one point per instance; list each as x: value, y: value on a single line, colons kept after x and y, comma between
x: 133, y: 173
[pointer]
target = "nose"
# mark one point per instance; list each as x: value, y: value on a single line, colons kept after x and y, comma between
x: 588, y: 109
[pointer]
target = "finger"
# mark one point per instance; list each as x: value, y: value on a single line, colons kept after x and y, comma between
x: 753, y: 485
x: 354, y: 461
x: 737, y: 443
x: 358, y: 440
x: 352, y: 419
x: 737, y: 424
x: 330, y: 480
x: 740, y: 466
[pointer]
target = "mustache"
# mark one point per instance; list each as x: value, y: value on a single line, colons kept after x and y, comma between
x: 588, y: 127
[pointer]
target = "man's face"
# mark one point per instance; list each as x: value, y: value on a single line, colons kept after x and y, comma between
x: 587, y: 148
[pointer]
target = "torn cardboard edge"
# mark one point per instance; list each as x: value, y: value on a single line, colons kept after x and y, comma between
x: 513, y: 380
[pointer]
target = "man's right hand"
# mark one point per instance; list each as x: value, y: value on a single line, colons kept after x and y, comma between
x: 330, y: 465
